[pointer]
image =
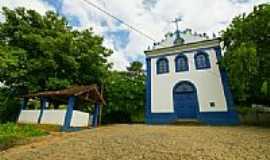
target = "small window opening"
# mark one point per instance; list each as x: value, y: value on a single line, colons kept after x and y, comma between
x: 212, y: 104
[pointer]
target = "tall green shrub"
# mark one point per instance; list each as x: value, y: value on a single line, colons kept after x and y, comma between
x: 9, y: 105
x: 125, y: 95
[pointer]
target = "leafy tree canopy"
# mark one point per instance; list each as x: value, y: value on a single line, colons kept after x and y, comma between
x: 247, y: 56
x: 43, y: 53
x: 125, y: 96
x: 135, y: 67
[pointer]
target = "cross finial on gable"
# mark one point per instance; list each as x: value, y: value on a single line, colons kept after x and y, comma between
x: 179, y: 19
x: 178, y: 39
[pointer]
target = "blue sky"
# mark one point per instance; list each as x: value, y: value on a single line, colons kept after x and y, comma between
x: 150, y: 16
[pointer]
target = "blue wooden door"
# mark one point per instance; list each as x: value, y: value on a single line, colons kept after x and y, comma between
x: 185, y: 100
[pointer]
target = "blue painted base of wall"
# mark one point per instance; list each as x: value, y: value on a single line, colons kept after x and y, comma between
x: 160, y: 118
x: 211, y: 118
x: 219, y: 118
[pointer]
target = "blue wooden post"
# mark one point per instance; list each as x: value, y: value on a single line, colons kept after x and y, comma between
x: 24, y: 102
x: 68, y: 117
x: 95, y: 115
x: 42, y: 107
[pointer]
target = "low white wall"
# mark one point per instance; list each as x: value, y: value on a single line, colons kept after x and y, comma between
x: 57, y: 117
x: 29, y: 116
x: 80, y: 119
x: 53, y: 117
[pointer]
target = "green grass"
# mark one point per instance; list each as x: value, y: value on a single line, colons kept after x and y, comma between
x: 12, y: 134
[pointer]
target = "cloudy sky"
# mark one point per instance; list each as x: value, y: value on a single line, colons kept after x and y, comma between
x: 153, y: 17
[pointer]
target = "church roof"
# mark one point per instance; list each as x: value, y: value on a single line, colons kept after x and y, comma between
x: 186, y: 37
x: 182, y: 41
x: 183, y: 47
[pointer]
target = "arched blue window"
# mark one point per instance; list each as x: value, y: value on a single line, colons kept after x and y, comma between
x: 181, y: 63
x: 184, y: 87
x: 202, y: 60
x: 162, y: 65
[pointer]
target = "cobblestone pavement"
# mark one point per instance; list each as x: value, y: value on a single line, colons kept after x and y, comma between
x: 128, y: 142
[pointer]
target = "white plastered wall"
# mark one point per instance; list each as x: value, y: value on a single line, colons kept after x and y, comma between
x: 207, y: 82
x: 56, y: 117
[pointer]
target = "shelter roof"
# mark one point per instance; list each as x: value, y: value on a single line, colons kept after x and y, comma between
x: 89, y: 93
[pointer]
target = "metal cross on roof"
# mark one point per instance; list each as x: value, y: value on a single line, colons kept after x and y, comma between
x: 178, y: 39
x: 179, y: 19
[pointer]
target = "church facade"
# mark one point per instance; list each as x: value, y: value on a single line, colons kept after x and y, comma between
x: 185, y: 81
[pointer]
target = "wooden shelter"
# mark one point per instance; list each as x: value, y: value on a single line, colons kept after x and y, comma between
x: 72, y: 96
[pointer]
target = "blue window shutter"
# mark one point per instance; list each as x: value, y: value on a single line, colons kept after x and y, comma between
x: 162, y: 66
x: 181, y: 63
x: 202, y: 60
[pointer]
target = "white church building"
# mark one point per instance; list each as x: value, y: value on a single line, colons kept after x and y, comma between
x: 185, y: 81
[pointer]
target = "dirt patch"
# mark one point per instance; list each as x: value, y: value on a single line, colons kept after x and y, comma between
x: 149, y: 142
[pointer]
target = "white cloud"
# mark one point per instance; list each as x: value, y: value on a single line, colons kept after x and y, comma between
x: 29, y: 4
x: 152, y: 17
x: 118, y: 58
x: 210, y: 16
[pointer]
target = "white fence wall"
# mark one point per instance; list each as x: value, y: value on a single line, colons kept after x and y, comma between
x: 80, y: 119
x: 53, y: 117
x: 29, y: 116
x: 56, y: 117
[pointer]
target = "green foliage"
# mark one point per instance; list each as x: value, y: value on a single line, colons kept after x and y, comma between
x: 247, y: 56
x: 11, y: 134
x: 125, y: 97
x: 9, y: 105
x: 244, y: 110
x: 135, y: 68
x: 44, y: 53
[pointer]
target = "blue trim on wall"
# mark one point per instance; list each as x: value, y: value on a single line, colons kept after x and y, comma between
x: 69, y: 112
x: 42, y: 107
x: 177, y: 68
x: 225, y: 82
x: 218, y: 118
x: 227, y: 91
x: 154, y: 118
x: 148, y: 89
x: 161, y: 118
x: 207, y: 65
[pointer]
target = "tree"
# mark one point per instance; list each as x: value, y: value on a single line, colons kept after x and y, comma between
x: 125, y: 96
x: 9, y: 105
x: 247, y: 56
x: 136, y: 68
x: 44, y: 53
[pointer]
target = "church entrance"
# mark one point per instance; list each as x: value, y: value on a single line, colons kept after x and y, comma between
x: 185, y: 100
